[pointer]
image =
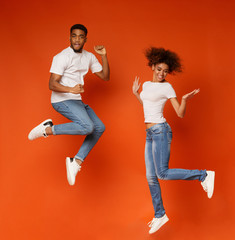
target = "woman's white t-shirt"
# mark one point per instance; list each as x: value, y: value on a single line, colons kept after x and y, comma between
x: 154, y: 96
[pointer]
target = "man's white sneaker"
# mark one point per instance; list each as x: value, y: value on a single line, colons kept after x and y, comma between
x: 208, y: 183
x: 72, y: 168
x: 40, y: 130
x: 156, y: 223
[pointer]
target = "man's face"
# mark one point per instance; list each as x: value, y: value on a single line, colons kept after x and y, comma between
x: 77, y: 40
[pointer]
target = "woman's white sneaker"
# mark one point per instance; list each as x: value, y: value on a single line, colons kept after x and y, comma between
x: 157, y: 223
x: 72, y: 168
x: 208, y: 183
x: 40, y: 130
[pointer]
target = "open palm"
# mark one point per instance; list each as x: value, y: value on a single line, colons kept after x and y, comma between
x: 136, y: 85
x: 191, y: 94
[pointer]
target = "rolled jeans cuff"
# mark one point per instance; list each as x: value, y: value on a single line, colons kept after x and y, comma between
x: 53, y: 130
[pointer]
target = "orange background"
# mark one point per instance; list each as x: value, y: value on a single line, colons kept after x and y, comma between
x: 111, y: 199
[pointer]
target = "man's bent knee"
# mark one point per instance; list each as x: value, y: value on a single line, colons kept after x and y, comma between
x: 100, y: 129
x: 88, y: 128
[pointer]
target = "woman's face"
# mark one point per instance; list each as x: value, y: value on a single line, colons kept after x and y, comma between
x: 160, y: 72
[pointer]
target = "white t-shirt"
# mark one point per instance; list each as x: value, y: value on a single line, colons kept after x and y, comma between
x: 154, y: 96
x: 73, y: 67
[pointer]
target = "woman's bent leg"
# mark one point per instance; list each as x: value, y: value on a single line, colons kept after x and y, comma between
x: 161, y: 146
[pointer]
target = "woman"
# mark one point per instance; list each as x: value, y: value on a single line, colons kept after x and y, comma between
x: 153, y: 97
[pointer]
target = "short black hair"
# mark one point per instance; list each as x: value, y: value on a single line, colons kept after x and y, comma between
x: 160, y: 55
x: 79, y: 26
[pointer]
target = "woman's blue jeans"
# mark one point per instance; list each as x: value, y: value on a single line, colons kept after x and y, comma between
x: 157, y: 154
x: 84, y: 122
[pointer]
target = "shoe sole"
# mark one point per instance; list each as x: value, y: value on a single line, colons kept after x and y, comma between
x: 166, y: 219
x: 43, y: 123
x: 213, y: 180
x: 68, y: 172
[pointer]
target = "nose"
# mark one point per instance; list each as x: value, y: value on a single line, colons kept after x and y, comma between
x: 76, y: 38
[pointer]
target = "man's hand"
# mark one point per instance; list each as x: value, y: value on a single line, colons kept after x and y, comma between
x: 100, y: 49
x: 79, y: 88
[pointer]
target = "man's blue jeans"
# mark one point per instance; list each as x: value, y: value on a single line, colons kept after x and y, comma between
x: 84, y: 122
x: 157, y: 154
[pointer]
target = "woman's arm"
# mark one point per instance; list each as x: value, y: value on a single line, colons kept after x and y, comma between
x: 135, y: 89
x: 180, y: 108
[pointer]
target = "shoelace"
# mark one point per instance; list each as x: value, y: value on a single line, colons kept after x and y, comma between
x: 78, y: 169
x: 75, y: 167
x: 204, y: 185
x: 150, y: 224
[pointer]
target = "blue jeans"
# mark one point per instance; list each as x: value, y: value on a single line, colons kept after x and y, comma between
x: 84, y: 122
x: 157, y: 154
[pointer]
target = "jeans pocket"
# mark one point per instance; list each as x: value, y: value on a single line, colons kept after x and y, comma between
x: 156, y: 130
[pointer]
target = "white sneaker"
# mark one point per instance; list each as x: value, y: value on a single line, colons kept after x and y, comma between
x: 72, y: 168
x: 156, y: 223
x: 208, y: 183
x: 39, y: 131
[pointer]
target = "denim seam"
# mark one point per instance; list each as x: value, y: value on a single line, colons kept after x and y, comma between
x: 81, y: 123
x: 88, y: 146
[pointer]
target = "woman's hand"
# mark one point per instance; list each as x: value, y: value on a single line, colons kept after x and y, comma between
x: 77, y: 89
x: 181, y: 108
x: 190, y: 95
x: 135, y: 89
x: 136, y: 86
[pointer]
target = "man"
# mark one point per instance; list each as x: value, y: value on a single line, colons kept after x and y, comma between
x: 66, y: 82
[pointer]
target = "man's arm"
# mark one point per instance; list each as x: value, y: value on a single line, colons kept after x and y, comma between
x: 54, y: 85
x: 104, y: 74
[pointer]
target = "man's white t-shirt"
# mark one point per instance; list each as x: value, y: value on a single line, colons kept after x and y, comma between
x: 72, y: 67
x: 154, y: 96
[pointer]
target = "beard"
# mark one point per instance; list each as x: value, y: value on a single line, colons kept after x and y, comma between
x: 76, y: 50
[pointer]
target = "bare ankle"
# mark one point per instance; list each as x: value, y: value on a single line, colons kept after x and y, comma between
x: 49, y: 131
x: 78, y: 161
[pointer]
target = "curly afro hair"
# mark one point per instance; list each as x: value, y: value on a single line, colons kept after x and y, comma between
x: 160, y: 55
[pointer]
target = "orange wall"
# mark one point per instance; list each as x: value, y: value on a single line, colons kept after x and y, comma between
x: 111, y: 199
